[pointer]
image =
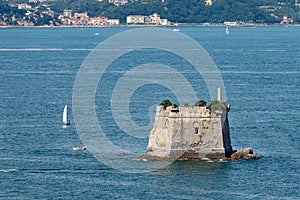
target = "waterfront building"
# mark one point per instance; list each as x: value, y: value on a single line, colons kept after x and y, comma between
x: 135, y: 19
x: 68, y: 13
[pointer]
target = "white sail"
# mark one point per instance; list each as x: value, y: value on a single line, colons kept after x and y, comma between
x: 65, y: 115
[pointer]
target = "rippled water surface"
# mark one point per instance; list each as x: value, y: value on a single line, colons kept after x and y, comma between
x: 260, y: 70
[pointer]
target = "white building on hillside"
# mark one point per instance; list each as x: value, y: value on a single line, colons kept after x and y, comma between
x: 135, y: 19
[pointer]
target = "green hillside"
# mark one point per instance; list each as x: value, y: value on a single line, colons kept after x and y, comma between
x: 189, y: 11
x: 180, y: 11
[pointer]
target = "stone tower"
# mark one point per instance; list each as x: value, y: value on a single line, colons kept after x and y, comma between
x: 190, y: 132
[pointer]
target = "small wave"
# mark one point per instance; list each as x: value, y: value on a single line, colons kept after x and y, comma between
x: 260, y: 73
x: 268, y: 50
x: 45, y: 49
x: 33, y: 49
x: 206, y: 159
x: 8, y: 170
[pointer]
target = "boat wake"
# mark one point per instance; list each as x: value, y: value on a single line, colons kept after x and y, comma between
x: 8, y: 170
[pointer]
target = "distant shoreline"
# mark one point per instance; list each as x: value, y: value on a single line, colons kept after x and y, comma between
x: 141, y: 25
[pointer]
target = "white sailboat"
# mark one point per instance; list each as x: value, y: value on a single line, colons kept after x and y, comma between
x: 65, y: 116
x: 176, y: 27
x: 227, y: 30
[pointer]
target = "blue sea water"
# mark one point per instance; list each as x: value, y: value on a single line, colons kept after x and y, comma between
x: 260, y: 70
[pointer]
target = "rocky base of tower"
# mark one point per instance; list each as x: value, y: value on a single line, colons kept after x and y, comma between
x: 242, y: 154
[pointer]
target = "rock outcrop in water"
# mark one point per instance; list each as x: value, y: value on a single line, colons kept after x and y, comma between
x: 193, y: 133
x: 246, y: 153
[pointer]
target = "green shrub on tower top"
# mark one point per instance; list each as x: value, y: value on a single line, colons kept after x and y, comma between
x: 165, y: 103
x: 201, y: 103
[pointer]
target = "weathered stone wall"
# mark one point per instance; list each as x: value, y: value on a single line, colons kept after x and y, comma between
x: 190, y: 132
